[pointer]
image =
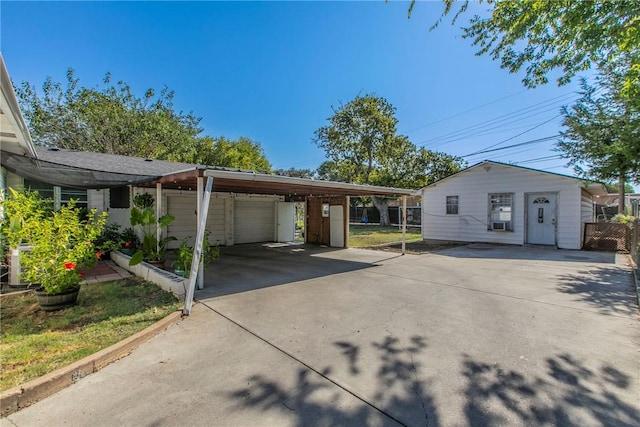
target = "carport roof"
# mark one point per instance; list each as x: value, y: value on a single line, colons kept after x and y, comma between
x: 81, y: 169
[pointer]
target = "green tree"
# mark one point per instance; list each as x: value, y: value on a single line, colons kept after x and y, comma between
x: 296, y: 173
x: 362, y: 147
x: 544, y: 36
x: 242, y: 153
x: 110, y: 119
x: 602, y: 136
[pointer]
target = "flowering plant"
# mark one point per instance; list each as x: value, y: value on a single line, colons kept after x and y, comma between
x: 62, y: 242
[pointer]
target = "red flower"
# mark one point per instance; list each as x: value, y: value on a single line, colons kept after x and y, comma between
x: 69, y: 266
x: 127, y: 244
x: 98, y: 254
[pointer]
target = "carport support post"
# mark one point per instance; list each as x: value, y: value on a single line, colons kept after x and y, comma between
x: 404, y: 223
x: 199, y: 195
x: 197, y: 251
x: 158, y: 215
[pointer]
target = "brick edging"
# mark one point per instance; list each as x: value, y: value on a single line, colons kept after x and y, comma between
x: 19, y: 397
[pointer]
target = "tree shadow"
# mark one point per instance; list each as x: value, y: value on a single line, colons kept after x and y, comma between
x: 398, y: 396
x: 570, y: 394
x: 610, y: 289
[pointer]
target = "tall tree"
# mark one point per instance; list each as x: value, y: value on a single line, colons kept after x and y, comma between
x: 362, y: 147
x: 296, y: 173
x: 544, y: 36
x: 602, y: 136
x: 110, y: 119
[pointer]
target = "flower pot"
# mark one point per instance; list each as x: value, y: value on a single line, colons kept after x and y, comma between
x: 53, y: 302
x: 127, y: 251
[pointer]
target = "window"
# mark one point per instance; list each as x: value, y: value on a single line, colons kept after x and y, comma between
x: 325, y: 210
x: 60, y: 195
x: 119, y: 197
x: 452, y: 205
x: 500, y: 212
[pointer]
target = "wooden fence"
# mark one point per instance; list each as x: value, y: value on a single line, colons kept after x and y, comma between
x: 605, y: 236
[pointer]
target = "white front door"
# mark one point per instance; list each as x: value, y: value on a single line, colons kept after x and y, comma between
x: 541, y: 219
x: 286, y: 221
x: 336, y: 226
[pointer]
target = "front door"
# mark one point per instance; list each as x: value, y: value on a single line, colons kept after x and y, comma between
x: 541, y: 219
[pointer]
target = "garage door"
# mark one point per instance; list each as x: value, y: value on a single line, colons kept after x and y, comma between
x: 183, y: 207
x: 253, y: 220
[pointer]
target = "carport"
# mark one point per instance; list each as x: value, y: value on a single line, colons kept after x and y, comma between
x: 327, y: 204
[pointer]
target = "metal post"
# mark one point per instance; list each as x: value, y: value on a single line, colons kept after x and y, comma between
x: 404, y: 223
x: 158, y: 215
x: 197, y: 250
x: 199, y: 192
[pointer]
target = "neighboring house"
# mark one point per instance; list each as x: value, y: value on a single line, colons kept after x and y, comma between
x: 495, y: 202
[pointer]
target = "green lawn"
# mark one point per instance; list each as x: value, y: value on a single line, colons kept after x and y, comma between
x: 363, y: 236
x: 34, y: 342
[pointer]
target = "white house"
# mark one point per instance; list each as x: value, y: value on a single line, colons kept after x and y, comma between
x: 495, y: 202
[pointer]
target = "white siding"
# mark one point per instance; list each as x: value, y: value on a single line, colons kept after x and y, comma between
x: 586, y: 212
x: 14, y: 181
x: 182, y: 205
x: 95, y: 200
x: 473, y: 187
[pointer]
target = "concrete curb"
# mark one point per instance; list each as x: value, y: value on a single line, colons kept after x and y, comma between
x: 29, y: 393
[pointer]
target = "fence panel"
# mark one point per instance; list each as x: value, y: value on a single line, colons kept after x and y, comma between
x: 606, y: 236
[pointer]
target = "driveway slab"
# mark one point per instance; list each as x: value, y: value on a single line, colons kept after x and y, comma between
x: 296, y: 335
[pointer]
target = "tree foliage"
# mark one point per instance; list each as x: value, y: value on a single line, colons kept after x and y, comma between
x: 296, y: 173
x: 602, y: 136
x: 112, y: 119
x: 544, y: 36
x: 362, y: 147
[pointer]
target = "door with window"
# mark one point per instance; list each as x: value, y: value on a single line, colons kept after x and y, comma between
x: 541, y: 219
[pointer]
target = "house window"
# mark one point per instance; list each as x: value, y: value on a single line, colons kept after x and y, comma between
x: 500, y: 212
x: 452, y: 205
x: 60, y: 195
x: 119, y: 198
x: 325, y: 210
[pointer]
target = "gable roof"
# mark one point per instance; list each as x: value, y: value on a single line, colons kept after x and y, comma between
x: 592, y: 187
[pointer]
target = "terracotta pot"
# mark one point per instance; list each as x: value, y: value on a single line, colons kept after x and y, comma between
x: 53, y: 302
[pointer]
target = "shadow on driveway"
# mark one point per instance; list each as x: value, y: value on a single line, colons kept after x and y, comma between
x: 609, y: 289
x: 531, y: 253
x: 249, y: 267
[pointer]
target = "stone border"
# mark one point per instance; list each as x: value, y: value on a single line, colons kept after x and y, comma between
x: 19, y: 397
x: 165, y: 279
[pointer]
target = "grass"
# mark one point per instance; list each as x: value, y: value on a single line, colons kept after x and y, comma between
x: 34, y: 342
x: 364, y: 236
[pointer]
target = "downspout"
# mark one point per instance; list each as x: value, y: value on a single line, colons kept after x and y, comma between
x: 197, y: 250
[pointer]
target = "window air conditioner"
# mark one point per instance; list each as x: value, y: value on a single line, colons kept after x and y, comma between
x: 499, y: 226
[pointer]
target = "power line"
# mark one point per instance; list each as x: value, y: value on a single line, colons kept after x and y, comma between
x: 514, y: 116
x: 466, y: 111
x: 515, y: 136
x: 533, y: 141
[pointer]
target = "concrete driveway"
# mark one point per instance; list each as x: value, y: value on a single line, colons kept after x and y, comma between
x: 296, y: 335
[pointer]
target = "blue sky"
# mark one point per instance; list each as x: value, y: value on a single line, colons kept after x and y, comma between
x: 271, y: 71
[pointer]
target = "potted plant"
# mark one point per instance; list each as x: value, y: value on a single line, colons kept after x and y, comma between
x: 109, y: 240
x: 184, y: 256
x: 62, y: 243
x: 130, y: 241
x: 142, y: 215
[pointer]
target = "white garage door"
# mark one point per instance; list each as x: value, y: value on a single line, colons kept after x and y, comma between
x: 183, y: 207
x: 253, y: 220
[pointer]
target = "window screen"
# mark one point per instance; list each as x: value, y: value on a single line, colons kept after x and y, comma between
x: 500, y: 212
x: 119, y: 197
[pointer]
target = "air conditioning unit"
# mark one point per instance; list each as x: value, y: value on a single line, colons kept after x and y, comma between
x: 499, y: 226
